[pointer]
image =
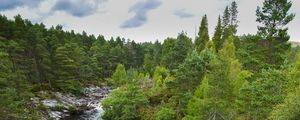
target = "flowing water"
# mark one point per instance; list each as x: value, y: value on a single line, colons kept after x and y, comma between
x: 95, y: 103
x: 93, y: 114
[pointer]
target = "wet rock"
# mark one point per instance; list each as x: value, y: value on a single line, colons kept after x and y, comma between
x: 55, y: 115
x: 66, y: 105
x: 50, y: 103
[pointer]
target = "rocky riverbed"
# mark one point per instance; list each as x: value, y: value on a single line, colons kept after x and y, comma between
x: 69, y: 107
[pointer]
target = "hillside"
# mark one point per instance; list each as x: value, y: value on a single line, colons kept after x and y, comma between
x: 294, y: 44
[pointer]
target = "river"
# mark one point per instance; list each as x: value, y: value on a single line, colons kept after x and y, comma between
x: 87, y: 107
x: 94, y: 114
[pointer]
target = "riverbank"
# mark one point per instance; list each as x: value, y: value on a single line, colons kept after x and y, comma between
x: 57, y: 106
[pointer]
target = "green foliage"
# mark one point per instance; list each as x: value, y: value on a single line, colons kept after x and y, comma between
x: 66, y: 65
x: 123, y: 103
x: 188, y: 77
x: 178, y: 50
x: 117, y: 56
x: 294, y: 52
x: 226, y: 18
x: 294, y: 75
x: 119, y: 75
x: 161, y: 76
x: 196, y: 106
x: 217, y: 94
x: 165, y: 114
x: 233, y: 17
x: 251, y: 53
x: 264, y: 93
x: 289, y: 109
x: 190, y: 73
x: 230, y: 22
x: 203, y: 36
x: 148, y: 65
x: 5, y: 68
x: 217, y: 39
x: 274, y: 16
x: 10, y: 107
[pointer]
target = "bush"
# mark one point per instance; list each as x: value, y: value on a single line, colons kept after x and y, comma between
x: 165, y: 114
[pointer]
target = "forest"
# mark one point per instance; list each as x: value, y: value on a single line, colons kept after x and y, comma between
x: 221, y: 77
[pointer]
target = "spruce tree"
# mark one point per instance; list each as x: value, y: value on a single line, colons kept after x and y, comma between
x: 230, y: 22
x: 217, y: 39
x: 226, y: 18
x: 203, y: 36
x: 233, y: 17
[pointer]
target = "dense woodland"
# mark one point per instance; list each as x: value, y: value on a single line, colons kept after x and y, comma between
x: 219, y: 77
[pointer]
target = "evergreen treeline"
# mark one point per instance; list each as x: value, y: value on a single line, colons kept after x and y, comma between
x: 225, y: 77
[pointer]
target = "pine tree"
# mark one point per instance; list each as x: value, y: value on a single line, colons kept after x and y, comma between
x: 203, y: 36
x: 182, y: 47
x: 119, y: 75
x: 230, y: 22
x: 274, y: 16
x: 116, y: 56
x: 167, y: 47
x: 175, y: 51
x: 97, y: 68
x: 148, y: 64
x: 226, y: 24
x: 157, y: 53
x: 5, y: 67
x: 42, y: 56
x: 67, y: 69
x: 103, y: 57
x: 66, y: 66
x: 217, y: 39
x: 226, y: 18
x: 233, y: 15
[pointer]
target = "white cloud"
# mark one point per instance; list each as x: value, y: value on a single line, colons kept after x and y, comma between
x: 183, y: 13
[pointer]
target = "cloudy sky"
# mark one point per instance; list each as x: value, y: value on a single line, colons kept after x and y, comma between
x: 141, y: 20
